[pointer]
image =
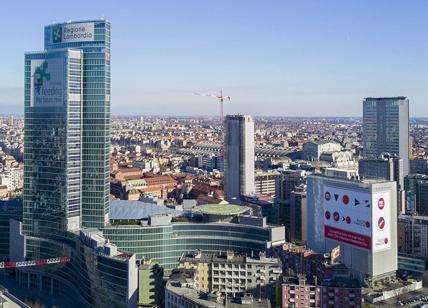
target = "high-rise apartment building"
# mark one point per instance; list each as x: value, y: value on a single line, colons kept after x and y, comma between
x: 239, y: 157
x: 386, y: 127
x: 92, y: 38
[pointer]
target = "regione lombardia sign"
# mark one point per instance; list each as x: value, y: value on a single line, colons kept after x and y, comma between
x: 357, y: 218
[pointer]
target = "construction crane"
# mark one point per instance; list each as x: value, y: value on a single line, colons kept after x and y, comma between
x: 60, y: 260
x: 221, y: 99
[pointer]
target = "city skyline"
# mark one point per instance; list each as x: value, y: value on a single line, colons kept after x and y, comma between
x: 260, y: 55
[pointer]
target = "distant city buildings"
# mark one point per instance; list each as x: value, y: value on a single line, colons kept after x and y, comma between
x: 239, y: 157
x: 314, y: 149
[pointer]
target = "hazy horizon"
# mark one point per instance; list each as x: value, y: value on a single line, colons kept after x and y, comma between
x: 273, y: 58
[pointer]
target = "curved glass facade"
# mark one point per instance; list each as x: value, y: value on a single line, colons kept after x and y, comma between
x: 166, y: 244
x: 91, y: 278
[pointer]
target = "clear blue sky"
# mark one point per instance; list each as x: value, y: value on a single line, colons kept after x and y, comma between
x: 288, y: 58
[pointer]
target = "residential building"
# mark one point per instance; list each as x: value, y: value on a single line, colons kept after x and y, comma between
x: 181, y: 293
x: 265, y: 182
x: 150, y: 284
x: 328, y: 293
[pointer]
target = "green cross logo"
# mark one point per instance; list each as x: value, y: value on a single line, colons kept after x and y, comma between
x: 57, y: 34
x: 40, y: 76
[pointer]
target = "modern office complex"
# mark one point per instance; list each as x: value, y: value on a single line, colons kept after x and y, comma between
x: 386, y: 127
x: 413, y: 235
x: 92, y: 38
x: 164, y: 239
x: 360, y: 216
x: 52, y: 189
x: 66, y: 171
x: 416, y: 186
x: 239, y: 157
x: 386, y: 167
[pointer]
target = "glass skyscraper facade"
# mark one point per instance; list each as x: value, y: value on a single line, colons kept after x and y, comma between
x: 93, y: 39
x: 386, y: 128
x: 52, y: 153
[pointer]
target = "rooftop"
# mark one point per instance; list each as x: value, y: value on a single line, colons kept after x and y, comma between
x: 222, y: 209
x: 127, y: 209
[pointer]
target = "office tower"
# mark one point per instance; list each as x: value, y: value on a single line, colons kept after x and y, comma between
x: 418, y: 165
x: 386, y: 167
x: 239, y: 157
x: 416, y: 186
x: 52, y: 154
x: 359, y: 216
x: 413, y: 235
x: 287, y: 182
x: 386, y: 128
x: 66, y: 173
x: 93, y: 39
x: 298, y: 215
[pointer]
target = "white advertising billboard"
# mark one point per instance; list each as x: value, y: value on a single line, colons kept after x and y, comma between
x: 69, y: 33
x: 47, y: 83
x: 357, y: 218
x: 347, y: 216
x: 381, y: 221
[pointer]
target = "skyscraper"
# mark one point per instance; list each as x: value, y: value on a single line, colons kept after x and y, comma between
x: 67, y: 130
x: 386, y: 127
x: 52, y: 170
x: 239, y: 157
x: 66, y: 172
x: 93, y: 39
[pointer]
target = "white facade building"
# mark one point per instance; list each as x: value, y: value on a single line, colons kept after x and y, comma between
x: 239, y: 157
x: 361, y: 217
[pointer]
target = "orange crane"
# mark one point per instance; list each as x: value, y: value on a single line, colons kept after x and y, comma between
x: 221, y: 99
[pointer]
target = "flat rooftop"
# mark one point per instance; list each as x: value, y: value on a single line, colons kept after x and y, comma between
x: 134, y: 210
x: 222, y: 209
